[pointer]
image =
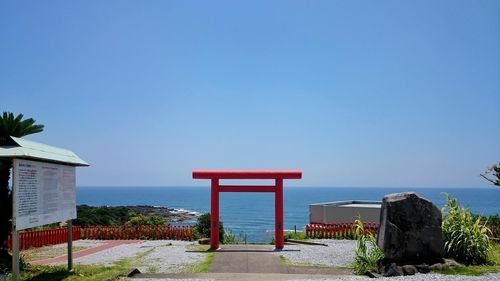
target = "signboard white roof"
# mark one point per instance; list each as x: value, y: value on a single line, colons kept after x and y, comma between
x: 26, y: 149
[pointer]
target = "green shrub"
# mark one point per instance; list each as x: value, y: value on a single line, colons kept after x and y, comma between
x: 465, y: 238
x: 230, y: 238
x: 299, y: 235
x: 367, y: 253
x: 493, y: 223
x: 146, y: 220
x: 202, y: 228
x: 88, y: 215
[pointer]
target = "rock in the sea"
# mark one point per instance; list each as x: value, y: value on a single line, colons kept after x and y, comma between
x: 410, y: 230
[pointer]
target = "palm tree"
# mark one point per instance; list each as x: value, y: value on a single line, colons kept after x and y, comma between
x: 16, y: 127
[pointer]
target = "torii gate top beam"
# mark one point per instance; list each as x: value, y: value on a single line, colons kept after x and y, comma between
x: 246, y: 174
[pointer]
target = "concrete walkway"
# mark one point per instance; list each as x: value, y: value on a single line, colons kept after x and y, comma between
x: 237, y: 276
x: 252, y: 262
x: 246, y: 259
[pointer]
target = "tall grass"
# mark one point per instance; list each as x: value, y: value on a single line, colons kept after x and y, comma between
x: 367, y: 253
x: 466, y: 238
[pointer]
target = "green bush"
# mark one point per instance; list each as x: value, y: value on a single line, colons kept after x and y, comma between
x: 299, y: 235
x: 465, y: 238
x: 202, y: 228
x: 146, y: 220
x: 493, y: 223
x: 88, y: 215
x: 367, y: 253
x: 230, y: 238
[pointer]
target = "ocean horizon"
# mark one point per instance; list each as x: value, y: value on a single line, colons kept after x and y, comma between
x: 251, y: 215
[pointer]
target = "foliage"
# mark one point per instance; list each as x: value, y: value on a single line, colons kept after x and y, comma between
x: 202, y: 228
x: 493, y: 223
x: 477, y: 269
x: 230, y: 238
x: 15, y: 126
x: 146, y: 220
x: 81, y: 272
x: 300, y: 235
x: 5, y: 261
x: 465, y: 238
x: 367, y: 253
x: 87, y: 215
x: 493, y: 171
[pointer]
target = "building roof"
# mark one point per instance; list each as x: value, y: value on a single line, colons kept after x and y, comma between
x: 26, y: 149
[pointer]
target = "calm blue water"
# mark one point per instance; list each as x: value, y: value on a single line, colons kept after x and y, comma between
x: 253, y: 213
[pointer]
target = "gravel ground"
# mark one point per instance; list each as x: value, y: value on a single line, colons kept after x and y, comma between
x: 338, y: 252
x: 341, y: 253
x: 168, y: 256
x: 82, y: 243
x: 165, y: 279
x: 417, y: 277
x: 52, y: 251
x: 160, y: 256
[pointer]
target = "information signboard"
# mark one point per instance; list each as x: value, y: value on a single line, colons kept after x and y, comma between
x: 44, y: 193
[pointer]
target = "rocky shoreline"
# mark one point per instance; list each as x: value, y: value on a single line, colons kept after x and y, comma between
x: 173, y: 215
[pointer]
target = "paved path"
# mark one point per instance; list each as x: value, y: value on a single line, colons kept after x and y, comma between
x: 239, y: 277
x: 108, y: 244
x: 251, y: 262
x: 246, y: 259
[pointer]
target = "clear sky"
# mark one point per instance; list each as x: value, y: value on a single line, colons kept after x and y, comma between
x: 353, y: 93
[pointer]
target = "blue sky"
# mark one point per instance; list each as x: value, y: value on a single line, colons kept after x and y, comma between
x: 353, y: 93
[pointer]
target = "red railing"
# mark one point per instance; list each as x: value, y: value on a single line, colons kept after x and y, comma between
x: 343, y: 230
x: 39, y: 238
x: 138, y: 232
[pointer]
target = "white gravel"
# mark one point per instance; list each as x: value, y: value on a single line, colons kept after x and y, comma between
x: 82, y: 243
x: 338, y: 252
x: 341, y: 253
x: 159, y: 256
x: 167, y: 279
x: 416, y: 277
x: 168, y: 256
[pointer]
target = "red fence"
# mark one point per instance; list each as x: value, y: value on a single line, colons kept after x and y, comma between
x: 39, y: 238
x: 344, y: 230
x: 138, y: 232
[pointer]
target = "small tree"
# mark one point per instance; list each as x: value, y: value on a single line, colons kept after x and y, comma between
x: 15, y: 126
x: 202, y: 227
x: 493, y: 171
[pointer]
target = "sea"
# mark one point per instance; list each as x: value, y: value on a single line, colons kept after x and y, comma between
x: 250, y: 216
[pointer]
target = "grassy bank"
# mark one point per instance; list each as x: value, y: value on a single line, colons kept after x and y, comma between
x: 118, y: 269
x: 477, y: 269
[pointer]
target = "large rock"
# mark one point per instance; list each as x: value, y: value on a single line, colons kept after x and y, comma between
x: 410, y: 230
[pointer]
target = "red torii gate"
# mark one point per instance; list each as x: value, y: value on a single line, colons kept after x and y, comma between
x: 277, y: 188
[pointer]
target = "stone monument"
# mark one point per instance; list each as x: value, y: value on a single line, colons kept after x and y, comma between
x: 410, y: 230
